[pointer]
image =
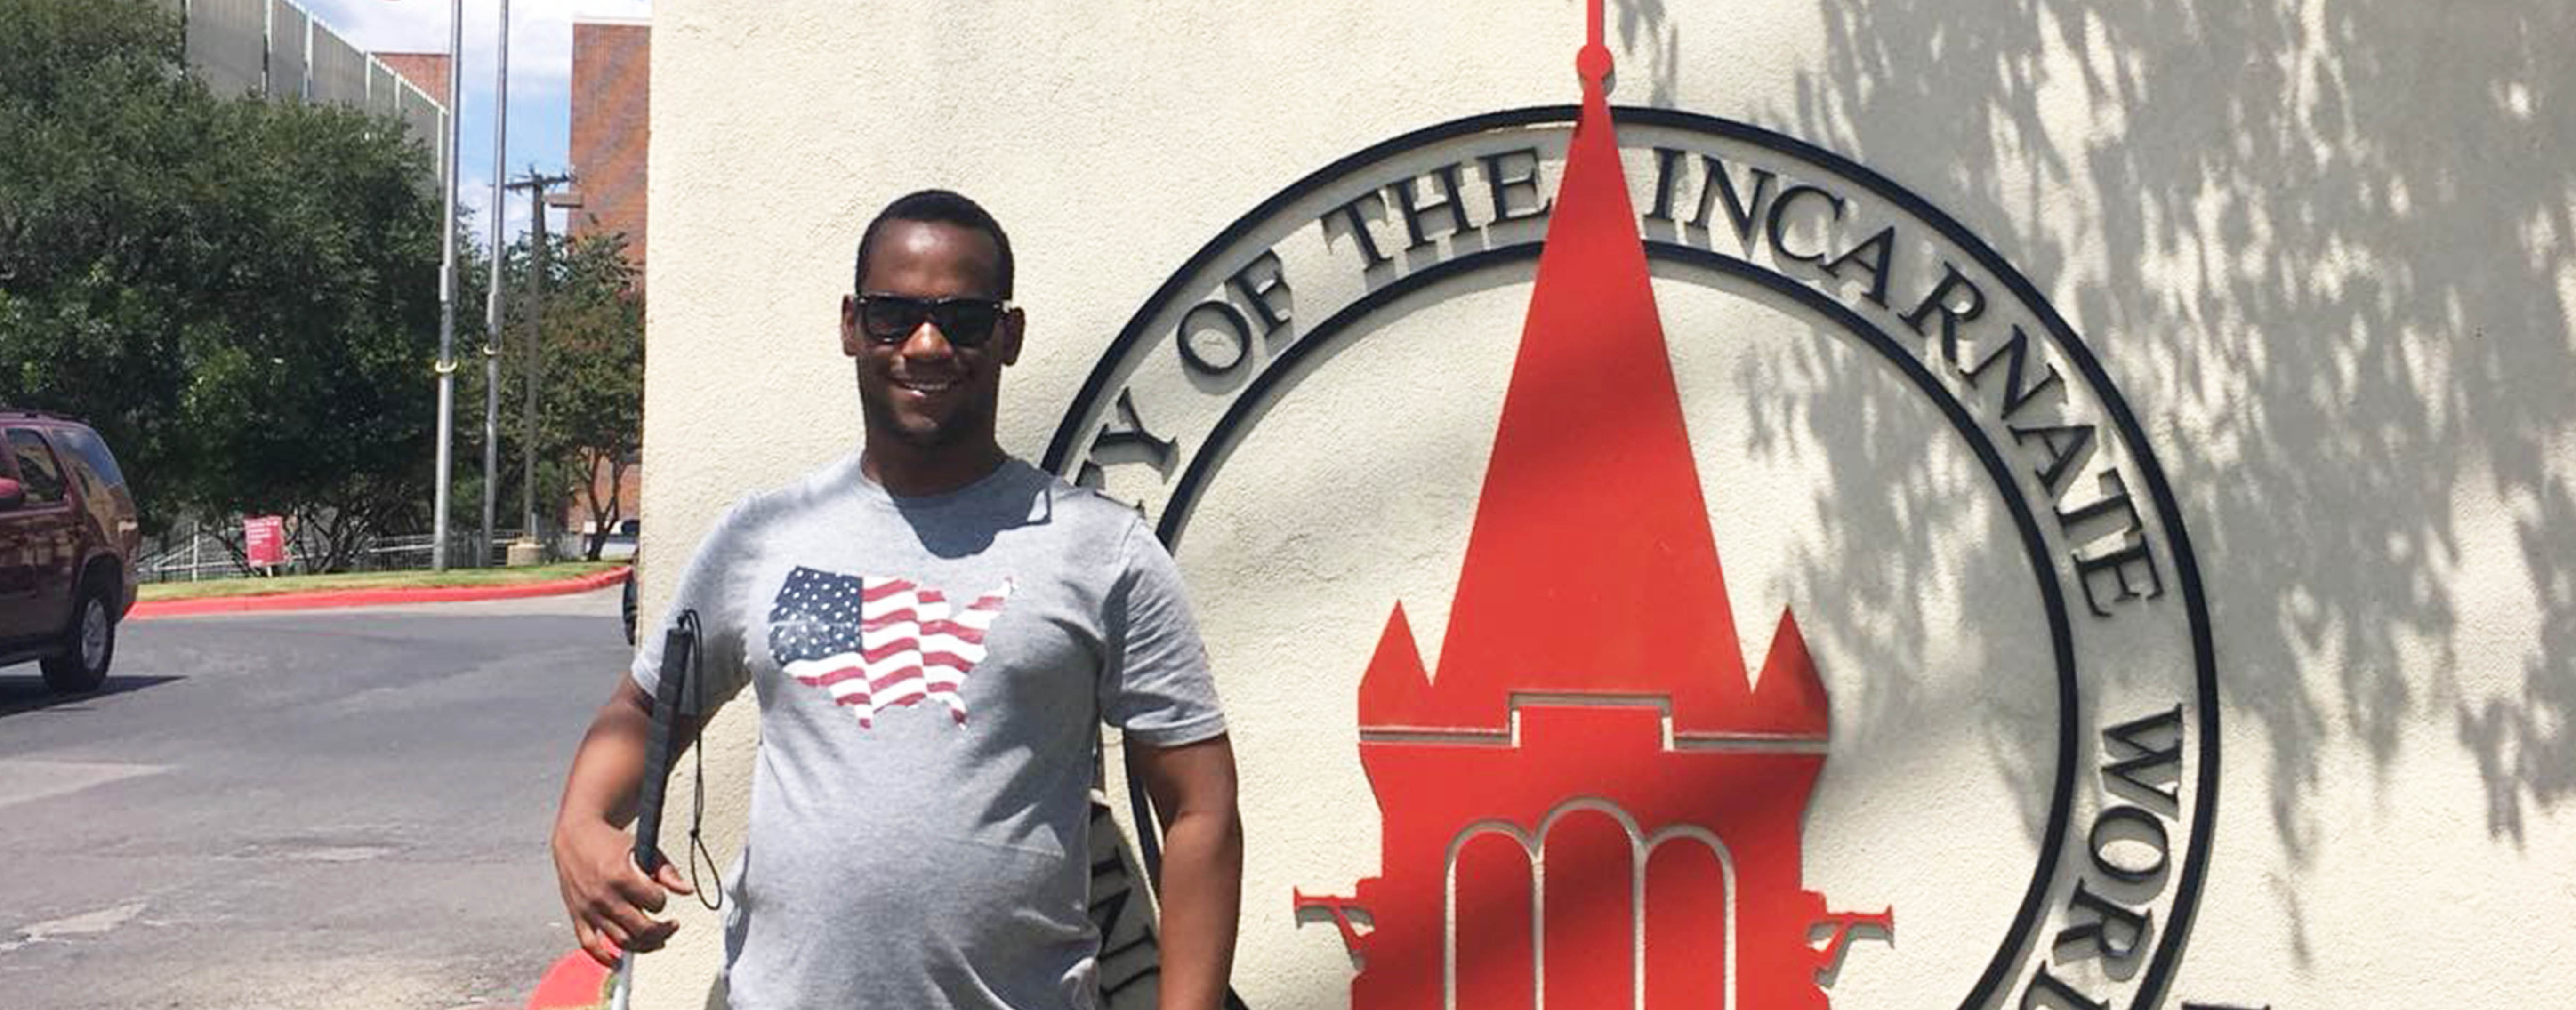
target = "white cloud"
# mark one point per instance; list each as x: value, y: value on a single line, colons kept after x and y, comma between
x: 540, y: 31
x: 474, y: 193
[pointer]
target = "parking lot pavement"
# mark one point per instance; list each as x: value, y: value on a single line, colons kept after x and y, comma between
x: 318, y: 809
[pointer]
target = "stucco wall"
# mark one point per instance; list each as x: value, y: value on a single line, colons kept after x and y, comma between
x: 2325, y: 250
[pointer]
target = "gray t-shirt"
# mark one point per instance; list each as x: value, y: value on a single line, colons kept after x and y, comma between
x: 930, y: 673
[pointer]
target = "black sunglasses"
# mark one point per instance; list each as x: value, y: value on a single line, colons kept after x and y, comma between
x: 965, y: 322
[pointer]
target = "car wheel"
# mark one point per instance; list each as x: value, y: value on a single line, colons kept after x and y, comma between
x: 627, y: 606
x: 87, y: 647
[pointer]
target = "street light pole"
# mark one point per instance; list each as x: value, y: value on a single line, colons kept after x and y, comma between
x: 493, y: 310
x: 447, y: 292
x: 491, y: 437
x: 491, y: 447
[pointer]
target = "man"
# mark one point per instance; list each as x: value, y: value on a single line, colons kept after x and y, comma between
x: 932, y: 630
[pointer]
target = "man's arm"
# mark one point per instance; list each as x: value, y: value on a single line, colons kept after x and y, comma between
x: 1202, y: 886
x: 611, y: 901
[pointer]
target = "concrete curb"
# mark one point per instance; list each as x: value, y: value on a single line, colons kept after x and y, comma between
x: 373, y: 597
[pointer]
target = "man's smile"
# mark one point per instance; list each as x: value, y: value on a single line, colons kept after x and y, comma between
x: 928, y: 386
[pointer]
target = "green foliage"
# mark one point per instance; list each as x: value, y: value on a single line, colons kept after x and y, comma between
x: 99, y: 226
x: 241, y: 294
x: 590, y: 393
x: 593, y: 399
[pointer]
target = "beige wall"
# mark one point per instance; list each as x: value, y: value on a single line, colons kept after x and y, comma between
x: 2325, y: 250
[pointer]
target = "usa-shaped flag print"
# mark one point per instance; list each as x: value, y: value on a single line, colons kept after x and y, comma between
x: 875, y: 643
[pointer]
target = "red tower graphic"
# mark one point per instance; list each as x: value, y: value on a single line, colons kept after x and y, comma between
x: 1592, y: 804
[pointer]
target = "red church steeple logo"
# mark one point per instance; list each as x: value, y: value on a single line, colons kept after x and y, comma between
x: 1592, y: 795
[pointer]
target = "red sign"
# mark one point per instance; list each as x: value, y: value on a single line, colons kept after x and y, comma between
x: 264, y: 540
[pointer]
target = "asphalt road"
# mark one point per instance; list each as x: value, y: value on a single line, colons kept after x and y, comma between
x: 323, y: 809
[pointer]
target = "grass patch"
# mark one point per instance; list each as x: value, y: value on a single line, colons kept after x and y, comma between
x: 156, y: 591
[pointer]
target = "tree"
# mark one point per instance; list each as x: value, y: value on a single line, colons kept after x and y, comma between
x: 101, y: 237
x: 241, y: 294
x: 590, y: 411
x: 594, y: 379
x: 316, y: 400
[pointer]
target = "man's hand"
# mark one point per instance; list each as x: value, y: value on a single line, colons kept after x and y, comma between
x: 1202, y: 887
x: 611, y: 901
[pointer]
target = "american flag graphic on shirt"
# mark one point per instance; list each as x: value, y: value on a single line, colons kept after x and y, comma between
x: 878, y: 643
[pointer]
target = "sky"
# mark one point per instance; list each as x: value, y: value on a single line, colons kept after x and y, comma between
x: 540, y: 71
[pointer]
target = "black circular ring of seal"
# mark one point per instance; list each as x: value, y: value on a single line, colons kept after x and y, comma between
x: 1089, y: 401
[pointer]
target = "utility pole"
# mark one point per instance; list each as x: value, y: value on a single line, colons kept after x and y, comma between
x: 447, y: 289
x: 528, y: 550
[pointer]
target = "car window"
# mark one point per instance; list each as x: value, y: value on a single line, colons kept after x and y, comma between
x: 93, y: 453
x: 37, y: 470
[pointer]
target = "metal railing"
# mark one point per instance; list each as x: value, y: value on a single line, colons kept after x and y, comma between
x: 202, y: 556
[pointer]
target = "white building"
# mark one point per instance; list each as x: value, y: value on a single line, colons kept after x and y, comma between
x: 2226, y: 657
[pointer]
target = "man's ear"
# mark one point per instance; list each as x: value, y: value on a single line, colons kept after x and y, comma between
x: 850, y: 326
x: 1014, y: 322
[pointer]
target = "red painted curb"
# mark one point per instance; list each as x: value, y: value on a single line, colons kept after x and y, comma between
x: 574, y: 983
x: 374, y: 597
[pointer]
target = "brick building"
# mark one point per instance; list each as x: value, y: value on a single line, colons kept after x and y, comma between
x: 611, y: 131
x: 611, y: 128
x: 426, y: 71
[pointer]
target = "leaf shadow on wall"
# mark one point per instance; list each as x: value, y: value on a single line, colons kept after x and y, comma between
x: 2330, y: 262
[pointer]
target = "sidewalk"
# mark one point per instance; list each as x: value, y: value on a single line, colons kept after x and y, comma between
x: 373, y: 597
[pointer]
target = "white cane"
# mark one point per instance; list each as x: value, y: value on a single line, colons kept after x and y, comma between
x: 679, y: 649
x: 624, y: 983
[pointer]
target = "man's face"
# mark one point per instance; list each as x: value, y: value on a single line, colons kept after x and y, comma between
x: 920, y: 387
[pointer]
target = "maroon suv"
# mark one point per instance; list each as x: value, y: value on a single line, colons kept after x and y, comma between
x: 67, y: 543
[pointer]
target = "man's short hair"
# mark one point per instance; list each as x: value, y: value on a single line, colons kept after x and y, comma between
x: 938, y: 206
